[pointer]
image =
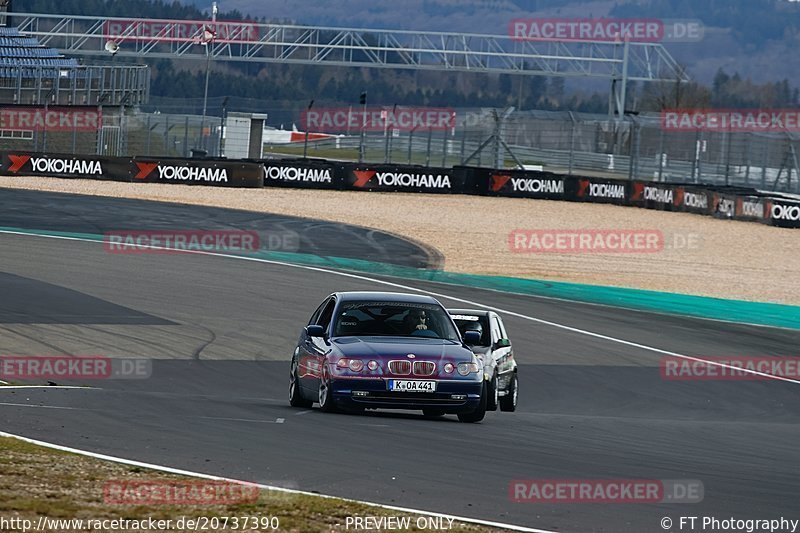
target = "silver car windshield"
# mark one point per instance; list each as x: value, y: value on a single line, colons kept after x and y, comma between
x: 479, y: 323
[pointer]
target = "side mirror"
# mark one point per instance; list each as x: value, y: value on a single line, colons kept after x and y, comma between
x: 502, y: 343
x: 472, y: 337
x: 315, y: 331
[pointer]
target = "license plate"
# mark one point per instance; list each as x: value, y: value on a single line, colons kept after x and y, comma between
x: 405, y: 385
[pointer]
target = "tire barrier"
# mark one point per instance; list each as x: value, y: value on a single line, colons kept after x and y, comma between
x: 64, y: 166
x: 220, y: 173
x: 736, y: 203
x: 303, y: 174
x: 783, y: 213
x: 396, y: 178
x: 214, y: 172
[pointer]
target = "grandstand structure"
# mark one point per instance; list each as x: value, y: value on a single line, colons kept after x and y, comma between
x: 51, y: 101
x: 33, y: 74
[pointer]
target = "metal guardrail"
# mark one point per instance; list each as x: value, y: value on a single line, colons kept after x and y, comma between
x: 590, y: 145
x: 764, y: 161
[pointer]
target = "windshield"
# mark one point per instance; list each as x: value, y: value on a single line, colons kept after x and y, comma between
x: 466, y: 322
x: 401, y: 319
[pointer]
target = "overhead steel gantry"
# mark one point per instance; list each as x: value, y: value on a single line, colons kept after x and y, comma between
x: 350, y: 47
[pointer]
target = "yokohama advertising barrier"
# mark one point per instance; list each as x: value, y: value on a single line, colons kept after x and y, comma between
x: 303, y: 174
x: 522, y: 184
x: 602, y: 191
x: 784, y: 213
x: 218, y: 173
x: 753, y: 208
x: 653, y: 195
x: 65, y: 166
x: 723, y: 205
x: 402, y: 179
x: 692, y: 199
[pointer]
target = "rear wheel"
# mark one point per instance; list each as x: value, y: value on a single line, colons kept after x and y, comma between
x: 478, y: 414
x: 295, y: 396
x: 325, y: 393
x: 432, y: 412
x: 508, y: 403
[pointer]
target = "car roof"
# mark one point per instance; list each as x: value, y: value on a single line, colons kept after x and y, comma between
x: 475, y: 312
x: 390, y: 296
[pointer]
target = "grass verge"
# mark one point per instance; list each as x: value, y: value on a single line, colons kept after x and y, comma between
x: 36, y: 481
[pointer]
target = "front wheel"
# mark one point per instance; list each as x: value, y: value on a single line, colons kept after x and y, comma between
x: 508, y: 403
x: 326, y: 404
x: 295, y: 396
x: 480, y: 412
x: 493, y: 396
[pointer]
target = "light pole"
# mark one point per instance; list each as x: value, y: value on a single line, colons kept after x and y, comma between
x: 410, y: 141
x: 208, y: 39
x: 222, y: 124
x: 112, y: 47
x: 122, y: 142
x: 305, y: 143
x: 387, y: 156
x: 363, y: 102
x: 46, y: 112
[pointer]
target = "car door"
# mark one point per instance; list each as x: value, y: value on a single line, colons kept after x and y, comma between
x: 314, y: 349
x: 503, y: 355
x: 495, y: 334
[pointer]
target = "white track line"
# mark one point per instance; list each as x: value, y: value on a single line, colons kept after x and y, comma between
x: 189, y: 473
x: 223, y: 418
x: 34, y: 406
x: 439, y: 295
x: 14, y: 387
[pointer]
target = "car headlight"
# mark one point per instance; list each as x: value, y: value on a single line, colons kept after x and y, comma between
x: 465, y: 369
x: 355, y: 365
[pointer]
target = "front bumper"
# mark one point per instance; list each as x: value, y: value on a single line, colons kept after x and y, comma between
x: 451, y: 396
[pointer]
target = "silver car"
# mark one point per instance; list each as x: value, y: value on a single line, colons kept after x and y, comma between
x: 495, y: 352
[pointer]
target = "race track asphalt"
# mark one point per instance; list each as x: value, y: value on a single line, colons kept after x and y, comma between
x: 95, y: 214
x: 221, y: 330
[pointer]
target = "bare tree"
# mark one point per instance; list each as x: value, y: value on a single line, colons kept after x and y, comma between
x: 675, y: 94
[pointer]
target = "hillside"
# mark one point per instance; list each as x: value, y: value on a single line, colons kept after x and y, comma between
x: 757, y: 38
x: 746, y: 59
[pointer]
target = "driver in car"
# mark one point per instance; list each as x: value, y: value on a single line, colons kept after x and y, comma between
x: 415, y: 320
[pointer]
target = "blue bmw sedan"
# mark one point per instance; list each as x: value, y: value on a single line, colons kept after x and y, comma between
x: 379, y: 350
